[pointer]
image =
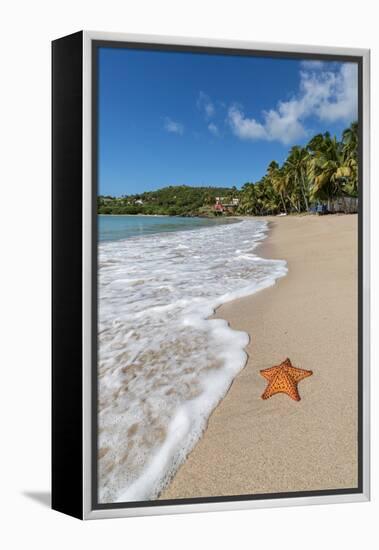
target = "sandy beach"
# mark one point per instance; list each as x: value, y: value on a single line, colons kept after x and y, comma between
x: 253, y: 446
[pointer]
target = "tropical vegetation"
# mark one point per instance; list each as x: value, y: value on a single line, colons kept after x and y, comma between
x: 322, y: 171
x: 175, y: 200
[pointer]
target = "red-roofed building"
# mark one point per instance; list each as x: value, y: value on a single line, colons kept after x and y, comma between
x: 222, y: 207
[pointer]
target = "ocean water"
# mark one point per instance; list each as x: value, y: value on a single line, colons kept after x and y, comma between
x: 113, y: 228
x: 163, y: 364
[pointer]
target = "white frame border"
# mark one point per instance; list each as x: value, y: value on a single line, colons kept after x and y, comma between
x: 88, y: 512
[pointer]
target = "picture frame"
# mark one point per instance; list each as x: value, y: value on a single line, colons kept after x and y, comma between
x: 76, y: 171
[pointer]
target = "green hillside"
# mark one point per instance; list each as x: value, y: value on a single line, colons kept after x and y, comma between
x: 178, y: 200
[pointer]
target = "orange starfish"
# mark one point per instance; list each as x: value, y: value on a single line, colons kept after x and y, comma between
x: 284, y: 379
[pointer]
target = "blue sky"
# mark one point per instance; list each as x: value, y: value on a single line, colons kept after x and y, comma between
x: 173, y: 118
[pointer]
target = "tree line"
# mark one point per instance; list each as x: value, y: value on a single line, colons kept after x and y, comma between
x: 175, y: 200
x: 323, y: 170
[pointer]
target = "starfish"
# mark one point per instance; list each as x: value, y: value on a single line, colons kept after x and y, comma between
x: 284, y: 379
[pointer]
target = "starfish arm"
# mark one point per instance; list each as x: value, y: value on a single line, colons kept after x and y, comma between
x: 270, y: 373
x: 289, y: 386
x: 298, y: 374
x: 292, y: 390
x: 270, y: 388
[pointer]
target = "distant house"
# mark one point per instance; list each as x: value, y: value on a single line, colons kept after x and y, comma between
x: 221, y: 205
x: 138, y: 201
x: 218, y: 206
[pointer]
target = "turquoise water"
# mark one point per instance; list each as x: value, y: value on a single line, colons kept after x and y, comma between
x: 115, y: 228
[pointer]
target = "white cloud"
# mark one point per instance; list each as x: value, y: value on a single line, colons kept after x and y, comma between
x: 213, y: 128
x: 312, y: 64
x: 281, y: 125
x: 328, y: 95
x: 342, y: 103
x: 245, y: 128
x: 173, y: 127
x: 205, y: 105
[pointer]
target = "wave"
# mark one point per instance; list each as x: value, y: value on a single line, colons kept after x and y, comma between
x: 163, y: 363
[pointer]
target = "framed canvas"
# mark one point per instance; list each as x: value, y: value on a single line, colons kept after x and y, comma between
x: 210, y: 275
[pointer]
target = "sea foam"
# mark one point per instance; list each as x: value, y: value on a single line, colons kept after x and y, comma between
x: 163, y: 364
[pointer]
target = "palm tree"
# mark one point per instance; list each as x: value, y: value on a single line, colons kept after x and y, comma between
x: 278, y: 182
x: 350, y: 150
x: 270, y: 199
x: 350, y: 141
x: 327, y: 168
x: 296, y: 167
x: 248, y: 200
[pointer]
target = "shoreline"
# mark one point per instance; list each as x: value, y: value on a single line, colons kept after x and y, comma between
x: 253, y: 446
x: 173, y: 371
x: 170, y: 216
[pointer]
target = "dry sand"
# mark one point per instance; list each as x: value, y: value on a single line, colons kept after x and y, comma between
x: 253, y: 446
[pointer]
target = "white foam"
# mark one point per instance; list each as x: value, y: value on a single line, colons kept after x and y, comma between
x: 163, y: 365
